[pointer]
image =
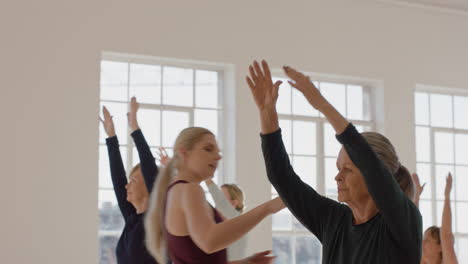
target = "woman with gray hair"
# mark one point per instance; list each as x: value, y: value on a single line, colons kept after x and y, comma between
x: 375, y: 221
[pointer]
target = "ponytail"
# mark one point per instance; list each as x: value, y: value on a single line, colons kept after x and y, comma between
x: 154, y: 219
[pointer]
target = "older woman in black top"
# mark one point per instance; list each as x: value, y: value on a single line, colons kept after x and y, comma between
x: 376, y: 222
x: 132, y: 195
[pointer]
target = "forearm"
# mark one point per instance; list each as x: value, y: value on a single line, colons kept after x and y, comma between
x: 269, y: 120
x: 416, y: 200
x: 334, y: 117
x: 147, y: 161
x: 224, y: 234
x: 446, y: 227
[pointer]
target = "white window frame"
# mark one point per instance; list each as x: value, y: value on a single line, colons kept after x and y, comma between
x: 420, y: 88
x: 226, y: 112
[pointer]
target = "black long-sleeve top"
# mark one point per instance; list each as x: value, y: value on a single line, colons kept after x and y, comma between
x: 131, y: 246
x: 392, y: 236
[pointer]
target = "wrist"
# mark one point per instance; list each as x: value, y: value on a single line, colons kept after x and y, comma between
x: 134, y: 127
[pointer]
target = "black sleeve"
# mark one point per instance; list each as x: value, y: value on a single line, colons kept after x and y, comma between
x: 401, y: 215
x: 147, y: 161
x: 119, y: 179
x: 313, y: 210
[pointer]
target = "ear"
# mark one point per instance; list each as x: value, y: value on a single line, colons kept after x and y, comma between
x: 183, y: 154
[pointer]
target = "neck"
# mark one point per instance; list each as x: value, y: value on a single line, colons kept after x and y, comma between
x: 363, y: 211
x: 185, y: 175
x: 142, y: 206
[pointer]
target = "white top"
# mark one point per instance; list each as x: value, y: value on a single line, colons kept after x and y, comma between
x: 237, y: 250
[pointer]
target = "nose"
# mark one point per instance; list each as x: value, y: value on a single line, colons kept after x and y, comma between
x: 338, y: 177
x: 127, y: 186
x: 218, y: 156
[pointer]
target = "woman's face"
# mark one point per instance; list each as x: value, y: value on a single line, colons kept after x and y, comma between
x: 431, y: 249
x: 136, y: 188
x: 350, y: 182
x: 234, y: 202
x: 202, y: 160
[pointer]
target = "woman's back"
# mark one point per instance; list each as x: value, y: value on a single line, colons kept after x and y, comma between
x: 181, y: 247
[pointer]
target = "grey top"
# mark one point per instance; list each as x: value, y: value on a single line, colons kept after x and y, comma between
x: 237, y: 250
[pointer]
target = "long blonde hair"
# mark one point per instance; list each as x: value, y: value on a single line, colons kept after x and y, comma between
x: 154, y: 219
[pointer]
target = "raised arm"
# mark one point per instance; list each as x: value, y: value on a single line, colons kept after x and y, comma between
x: 211, y: 236
x: 147, y: 161
x: 446, y: 235
x: 119, y: 179
x: 401, y: 215
x: 418, y: 188
x: 222, y: 204
x: 316, y: 213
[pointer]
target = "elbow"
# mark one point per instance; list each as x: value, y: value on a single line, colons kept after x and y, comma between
x: 208, y: 247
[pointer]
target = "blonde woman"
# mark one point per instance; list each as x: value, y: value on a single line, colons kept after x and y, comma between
x: 182, y: 223
x: 438, y: 242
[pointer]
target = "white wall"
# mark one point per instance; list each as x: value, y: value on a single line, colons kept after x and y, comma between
x: 49, y: 59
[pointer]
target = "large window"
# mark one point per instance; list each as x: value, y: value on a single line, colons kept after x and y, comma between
x: 310, y: 142
x: 441, y: 147
x: 172, y: 96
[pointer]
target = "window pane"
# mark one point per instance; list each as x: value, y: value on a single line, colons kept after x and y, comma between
x: 441, y: 175
x: 305, y: 167
x: 462, y: 254
x: 207, y: 119
x: 118, y: 112
x: 421, y: 108
x: 441, y: 110
x: 424, y: 174
x: 335, y: 93
x: 178, y: 86
x: 460, y: 105
x: 301, y: 106
x: 423, y: 144
x: 332, y: 146
x: 107, y: 246
x: 104, y: 169
x: 462, y: 217
x: 461, y: 149
x: 283, y: 105
x: 114, y: 80
x: 282, y: 221
x: 145, y: 83
x: 443, y: 147
x: 206, y: 89
x: 304, y: 138
x: 330, y: 173
x: 282, y: 249
x: 173, y: 123
x: 460, y: 183
x: 308, y: 250
x: 425, y: 208
x: 109, y: 212
x: 150, y: 124
x: 286, y: 133
x: 355, y: 102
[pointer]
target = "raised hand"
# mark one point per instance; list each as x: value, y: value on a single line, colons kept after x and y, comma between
x: 302, y: 83
x: 163, y: 157
x: 261, y: 258
x: 107, y: 122
x: 265, y: 93
x: 132, y: 115
x: 418, y: 188
x: 448, y: 185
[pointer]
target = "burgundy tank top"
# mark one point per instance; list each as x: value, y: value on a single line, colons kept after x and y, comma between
x: 182, y: 249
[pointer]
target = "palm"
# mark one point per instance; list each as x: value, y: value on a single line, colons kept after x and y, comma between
x: 265, y: 93
x: 261, y: 258
x: 163, y: 156
x: 132, y: 115
x: 302, y: 83
x: 108, y: 123
x: 417, y: 184
x: 448, y: 185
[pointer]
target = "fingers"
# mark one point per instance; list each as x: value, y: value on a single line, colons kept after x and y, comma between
x: 276, y: 88
x: 258, y: 71
x: 266, y: 70
x: 253, y: 74
x: 106, y: 113
x: 100, y: 119
x: 250, y: 83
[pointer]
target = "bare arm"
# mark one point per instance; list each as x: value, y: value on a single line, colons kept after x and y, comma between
x: 446, y: 235
x: 418, y: 188
x: 212, y: 237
